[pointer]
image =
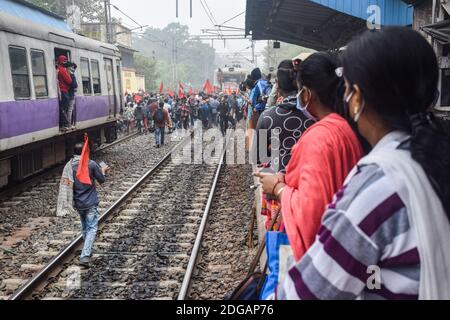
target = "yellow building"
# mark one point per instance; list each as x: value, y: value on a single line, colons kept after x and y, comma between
x: 132, y: 81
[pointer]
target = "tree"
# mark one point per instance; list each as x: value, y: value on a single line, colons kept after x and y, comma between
x: 91, y: 10
x: 147, y: 66
x: 188, y: 60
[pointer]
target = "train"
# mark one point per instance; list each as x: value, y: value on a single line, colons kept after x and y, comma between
x: 30, y: 137
x: 229, y: 77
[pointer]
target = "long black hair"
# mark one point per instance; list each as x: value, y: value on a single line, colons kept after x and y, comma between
x: 397, y: 72
x: 318, y: 73
x: 286, y: 76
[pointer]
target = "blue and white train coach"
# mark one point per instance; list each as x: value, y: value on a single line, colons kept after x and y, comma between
x: 30, y: 137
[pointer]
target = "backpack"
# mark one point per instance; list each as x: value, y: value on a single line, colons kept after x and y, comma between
x: 264, y: 90
x: 159, y: 116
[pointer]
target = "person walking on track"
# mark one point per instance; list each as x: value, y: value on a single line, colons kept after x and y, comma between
x: 85, y: 197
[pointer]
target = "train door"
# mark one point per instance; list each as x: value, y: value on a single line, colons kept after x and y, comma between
x: 111, y: 86
x: 119, y: 77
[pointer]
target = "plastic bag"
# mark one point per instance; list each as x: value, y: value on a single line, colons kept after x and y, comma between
x: 64, y: 205
x: 280, y: 258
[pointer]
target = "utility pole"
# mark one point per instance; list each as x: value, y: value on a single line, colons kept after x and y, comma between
x: 173, y: 62
x: 109, y: 37
x: 253, y: 52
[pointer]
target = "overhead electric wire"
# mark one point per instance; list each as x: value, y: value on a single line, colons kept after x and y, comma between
x: 238, y: 15
x: 211, y: 16
x: 137, y: 23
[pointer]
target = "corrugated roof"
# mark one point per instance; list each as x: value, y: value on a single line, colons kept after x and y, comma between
x: 25, y: 10
x: 318, y: 24
x: 393, y: 12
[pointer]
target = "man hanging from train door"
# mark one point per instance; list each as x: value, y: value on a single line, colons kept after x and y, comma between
x: 71, y: 67
x: 64, y: 82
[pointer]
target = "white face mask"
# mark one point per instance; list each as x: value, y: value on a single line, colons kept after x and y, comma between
x: 302, y: 108
x: 359, y: 113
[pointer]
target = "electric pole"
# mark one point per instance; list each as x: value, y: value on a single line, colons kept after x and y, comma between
x: 109, y: 37
x: 253, y: 52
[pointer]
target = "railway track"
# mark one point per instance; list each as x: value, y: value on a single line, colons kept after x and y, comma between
x: 147, y: 243
x: 31, y: 235
x: 50, y: 173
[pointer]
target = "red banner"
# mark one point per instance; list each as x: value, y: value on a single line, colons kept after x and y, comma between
x: 207, y: 87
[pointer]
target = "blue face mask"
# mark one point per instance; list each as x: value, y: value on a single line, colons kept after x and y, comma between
x: 303, y: 108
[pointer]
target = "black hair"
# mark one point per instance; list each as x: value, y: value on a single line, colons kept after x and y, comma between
x: 286, y: 76
x: 78, y: 149
x: 397, y: 72
x: 161, y: 105
x: 318, y: 73
x: 249, y: 82
x: 256, y: 74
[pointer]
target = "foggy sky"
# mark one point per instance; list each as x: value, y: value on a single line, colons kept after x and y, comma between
x: 159, y: 13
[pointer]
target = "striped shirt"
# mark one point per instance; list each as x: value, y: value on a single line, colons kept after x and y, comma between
x: 366, y: 228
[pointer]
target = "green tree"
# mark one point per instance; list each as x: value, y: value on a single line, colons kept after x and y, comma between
x: 91, y: 10
x: 179, y: 56
x: 147, y: 66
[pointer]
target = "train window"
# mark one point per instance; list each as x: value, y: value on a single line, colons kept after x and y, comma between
x: 39, y: 73
x: 86, y: 76
x: 19, y: 68
x: 96, y: 76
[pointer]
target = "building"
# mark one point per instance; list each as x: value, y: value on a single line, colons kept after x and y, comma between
x: 432, y: 18
x: 132, y: 80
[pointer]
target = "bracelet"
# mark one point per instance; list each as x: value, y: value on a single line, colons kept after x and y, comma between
x: 275, y: 186
x: 279, y: 192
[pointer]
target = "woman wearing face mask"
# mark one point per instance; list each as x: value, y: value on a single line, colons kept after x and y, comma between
x: 322, y: 157
x: 386, y: 235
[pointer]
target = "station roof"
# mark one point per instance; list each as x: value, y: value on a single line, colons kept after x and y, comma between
x: 319, y: 24
x: 28, y: 11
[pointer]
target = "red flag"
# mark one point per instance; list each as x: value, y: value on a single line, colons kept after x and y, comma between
x: 207, y: 87
x: 181, y: 94
x: 161, y: 87
x: 83, y: 165
x: 191, y: 92
x: 181, y: 86
x: 229, y: 90
x: 170, y: 93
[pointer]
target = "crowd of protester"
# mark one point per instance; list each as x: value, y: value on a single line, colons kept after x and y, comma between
x: 157, y: 112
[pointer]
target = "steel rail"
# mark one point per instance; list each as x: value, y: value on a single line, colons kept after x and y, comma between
x: 185, y: 286
x: 39, y: 281
x: 14, y: 189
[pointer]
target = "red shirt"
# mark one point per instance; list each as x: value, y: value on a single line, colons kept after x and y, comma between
x: 64, y: 79
x: 315, y: 173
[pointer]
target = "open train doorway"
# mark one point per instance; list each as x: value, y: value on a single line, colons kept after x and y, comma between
x: 66, y: 105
